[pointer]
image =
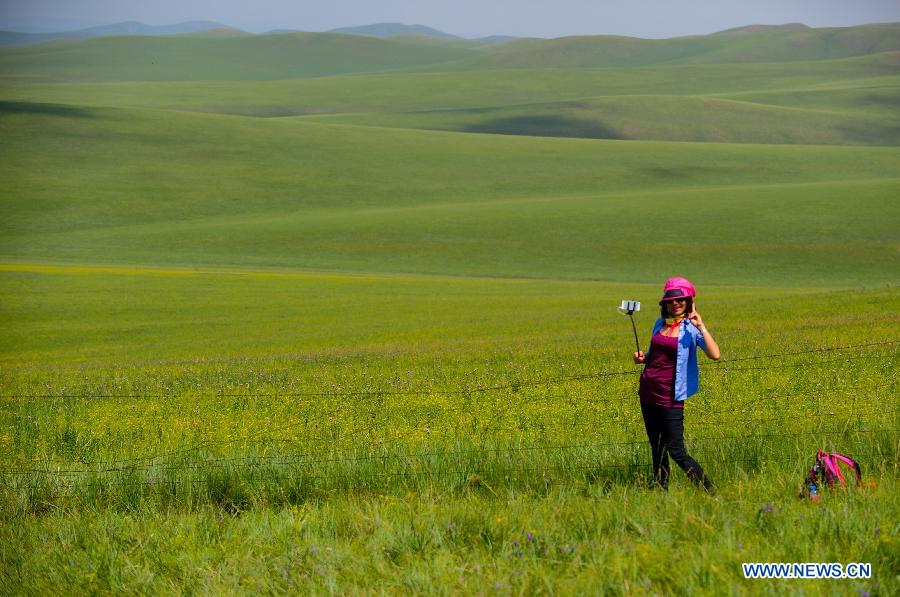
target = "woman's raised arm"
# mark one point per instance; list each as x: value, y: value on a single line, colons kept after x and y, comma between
x: 712, y: 349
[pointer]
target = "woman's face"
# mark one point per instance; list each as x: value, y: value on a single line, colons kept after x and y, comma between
x: 677, y: 307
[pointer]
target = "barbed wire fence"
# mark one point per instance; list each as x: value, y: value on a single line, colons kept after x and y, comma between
x: 471, y: 462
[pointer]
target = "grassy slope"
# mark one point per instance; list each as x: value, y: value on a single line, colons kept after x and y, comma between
x: 671, y: 118
x: 143, y: 319
x: 345, y: 198
x: 395, y: 92
x: 848, y: 101
x: 878, y: 97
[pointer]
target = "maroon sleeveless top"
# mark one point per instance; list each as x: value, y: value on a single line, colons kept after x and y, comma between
x: 657, y: 385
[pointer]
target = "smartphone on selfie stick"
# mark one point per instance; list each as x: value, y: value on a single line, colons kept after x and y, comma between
x: 630, y: 308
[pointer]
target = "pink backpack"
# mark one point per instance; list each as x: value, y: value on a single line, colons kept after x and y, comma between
x: 826, y: 472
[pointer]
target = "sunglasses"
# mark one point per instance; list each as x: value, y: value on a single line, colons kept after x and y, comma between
x: 677, y: 300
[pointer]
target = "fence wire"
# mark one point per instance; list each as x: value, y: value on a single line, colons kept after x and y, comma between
x: 155, y: 463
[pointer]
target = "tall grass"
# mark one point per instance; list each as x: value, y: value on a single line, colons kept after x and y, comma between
x: 508, y: 461
x: 418, y: 409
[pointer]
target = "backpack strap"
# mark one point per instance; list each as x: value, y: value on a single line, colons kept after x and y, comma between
x: 849, y: 462
x: 830, y: 467
x: 832, y: 464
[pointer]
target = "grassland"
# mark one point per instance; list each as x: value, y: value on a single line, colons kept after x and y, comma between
x: 347, y: 352
x: 840, y: 102
x: 322, y: 432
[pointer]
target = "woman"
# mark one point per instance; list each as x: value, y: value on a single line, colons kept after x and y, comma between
x: 670, y: 376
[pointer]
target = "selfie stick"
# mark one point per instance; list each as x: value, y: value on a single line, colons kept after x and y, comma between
x: 628, y: 308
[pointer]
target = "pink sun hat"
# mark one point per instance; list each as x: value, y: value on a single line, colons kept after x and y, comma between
x: 677, y: 288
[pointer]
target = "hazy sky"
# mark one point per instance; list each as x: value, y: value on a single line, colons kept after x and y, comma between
x: 468, y: 18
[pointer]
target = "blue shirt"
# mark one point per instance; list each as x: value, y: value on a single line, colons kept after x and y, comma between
x: 687, y: 373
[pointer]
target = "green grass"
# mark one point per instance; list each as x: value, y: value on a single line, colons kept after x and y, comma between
x: 110, y: 315
x: 219, y: 409
x: 401, y: 544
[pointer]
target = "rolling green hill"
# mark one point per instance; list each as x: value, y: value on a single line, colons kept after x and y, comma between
x: 751, y: 29
x: 230, y: 57
x: 143, y: 173
x: 393, y: 29
x: 134, y: 186
x: 763, y: 46
x: 218, y: 57
x: 397, y: 92
x: 670, y: 118
x: 11, y: 38
x: 844, y: 101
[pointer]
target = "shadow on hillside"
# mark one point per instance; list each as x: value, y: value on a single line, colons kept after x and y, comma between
x: 10, y: 107
x: 881, y: 100
x: 546, y: 126
x: 885, y: 135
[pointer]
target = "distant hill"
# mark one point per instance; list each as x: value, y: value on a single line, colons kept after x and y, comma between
x: 137, y: 28
x: 13, y: 39
x: 393, y: 29
x: 281, y: 31
x: 221, y: 32
x: 749, y: 29
x: 779, y: 44
x: 496, y: 39
x: 202, y: 52
x: 205, y: 57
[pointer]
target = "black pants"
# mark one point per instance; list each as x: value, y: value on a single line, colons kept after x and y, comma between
x: 665, y: 430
